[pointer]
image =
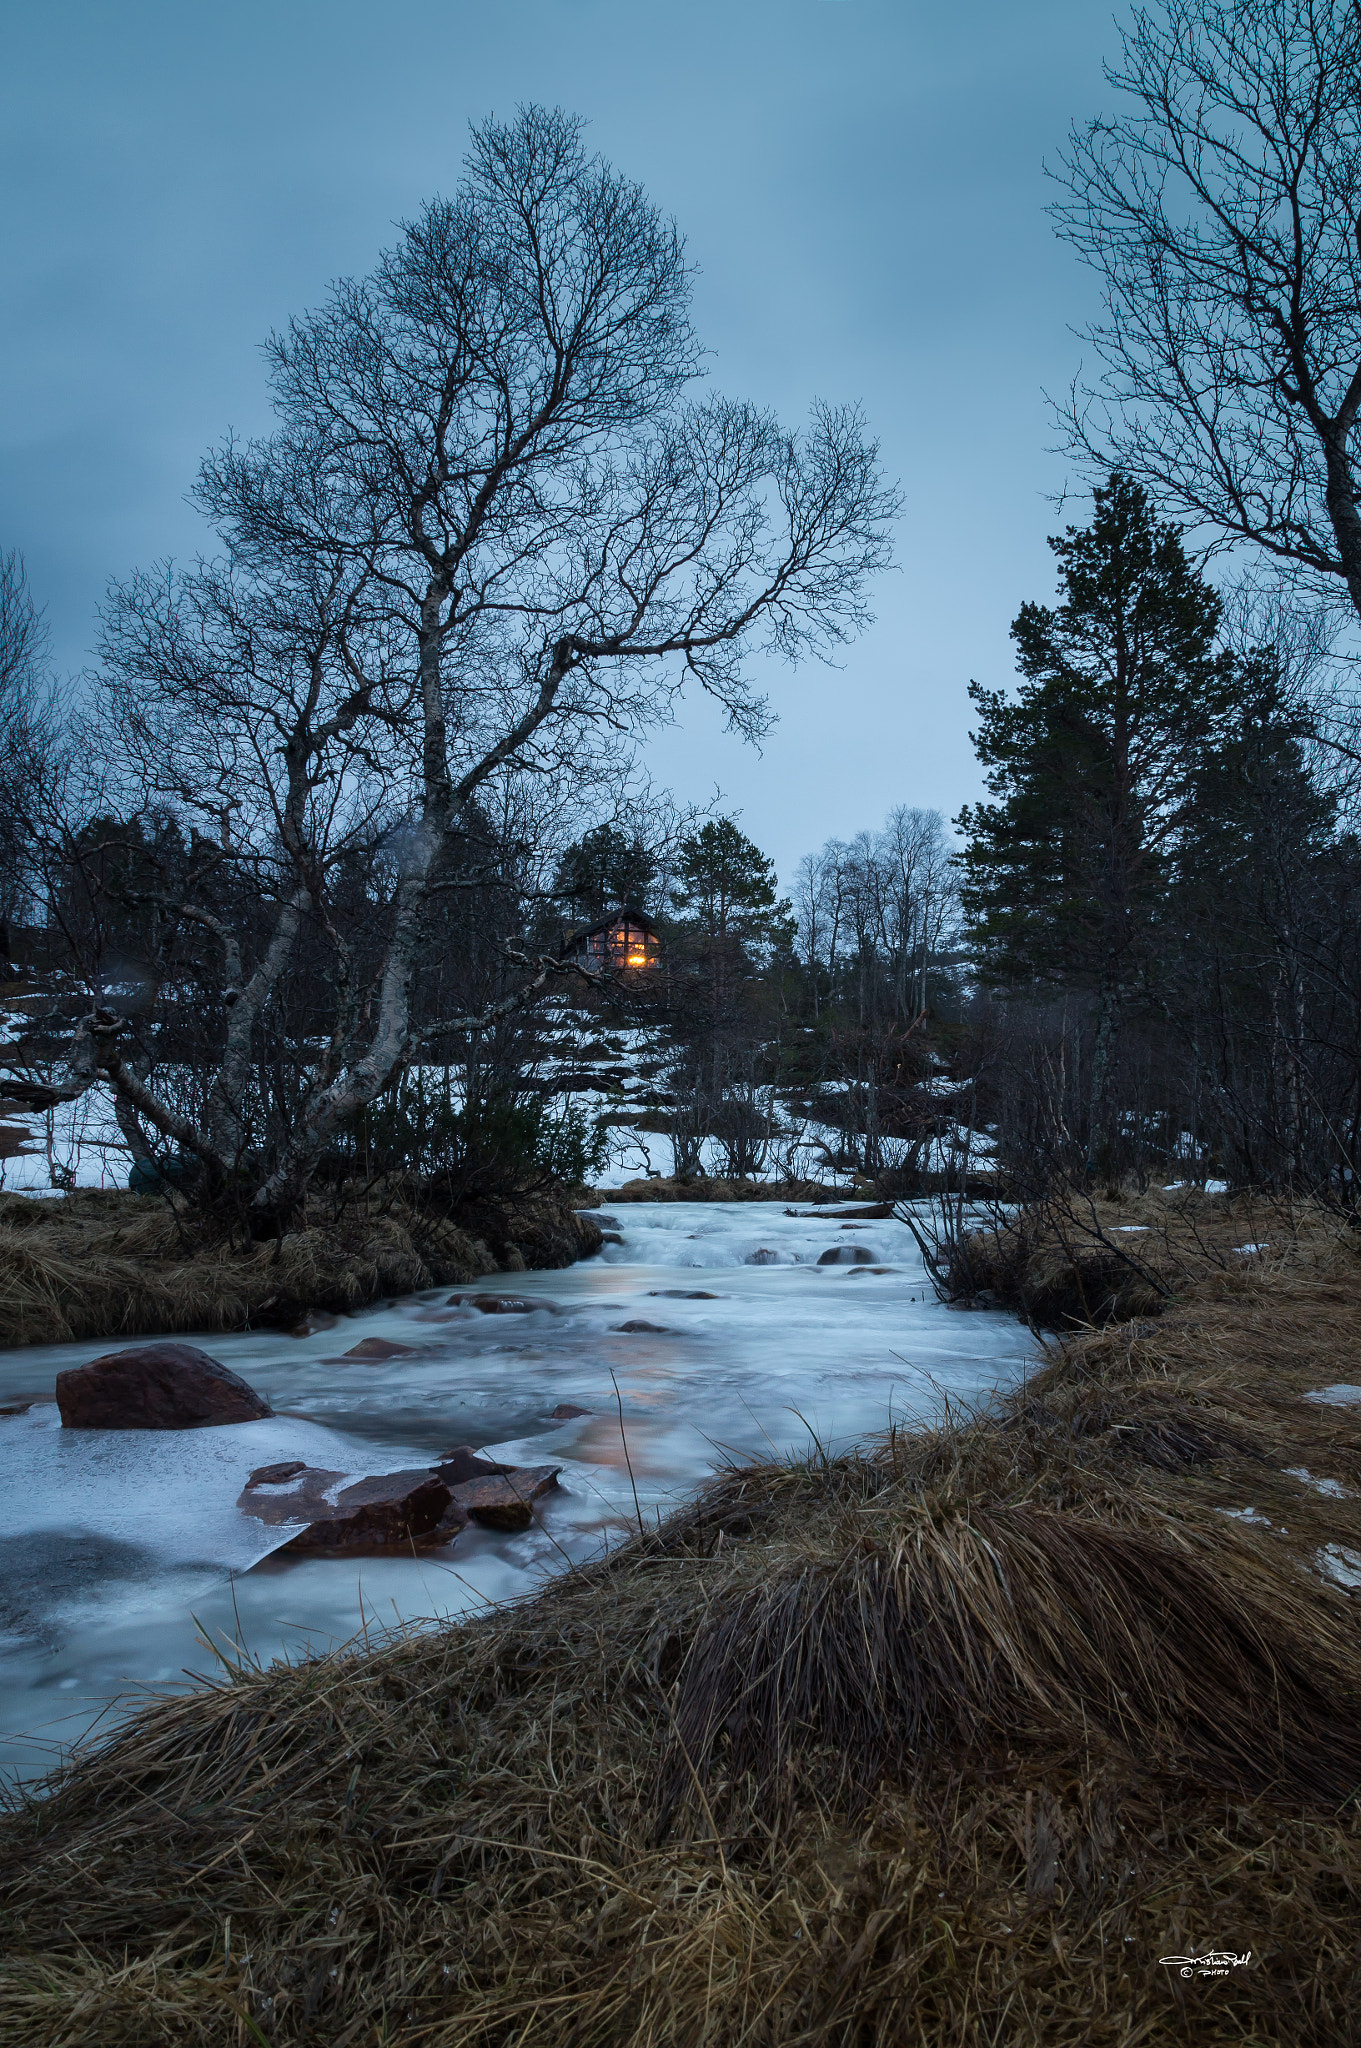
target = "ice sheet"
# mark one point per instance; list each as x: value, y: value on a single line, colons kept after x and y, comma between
x: 115, y: 1546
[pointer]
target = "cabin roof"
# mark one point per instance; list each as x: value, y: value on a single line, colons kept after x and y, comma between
x: 628, y: 915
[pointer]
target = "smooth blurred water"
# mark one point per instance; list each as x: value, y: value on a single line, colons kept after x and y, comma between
x: 123, y: 1555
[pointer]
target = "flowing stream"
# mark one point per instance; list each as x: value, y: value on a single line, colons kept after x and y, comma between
x: 125, y: 1564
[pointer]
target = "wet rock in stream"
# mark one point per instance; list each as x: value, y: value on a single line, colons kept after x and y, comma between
x: 396, y: 1508
x: 507, y: 1503
x: 463, y: 1463
x: 156, y: 1386
x: 502, y: 1304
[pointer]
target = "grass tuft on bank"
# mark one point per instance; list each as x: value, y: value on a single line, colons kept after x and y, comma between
x: 98, y: 1264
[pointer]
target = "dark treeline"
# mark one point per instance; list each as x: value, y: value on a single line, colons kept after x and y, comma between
x: 1161, y: 894
x: 1141, y: 957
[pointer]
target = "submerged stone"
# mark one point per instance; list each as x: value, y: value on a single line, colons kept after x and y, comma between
x: 502, y: 1304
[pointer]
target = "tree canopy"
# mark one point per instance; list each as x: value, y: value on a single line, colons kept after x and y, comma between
x: 1221, y: 209
x: 726, y: 888
x: 1092, y: 764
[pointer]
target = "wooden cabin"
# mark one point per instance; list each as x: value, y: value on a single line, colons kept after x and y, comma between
x: 623, y: 943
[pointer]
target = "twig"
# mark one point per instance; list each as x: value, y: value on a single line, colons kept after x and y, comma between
x: 619, y: 1399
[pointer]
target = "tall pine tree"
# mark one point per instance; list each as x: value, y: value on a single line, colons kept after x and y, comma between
x: 1092, y: 767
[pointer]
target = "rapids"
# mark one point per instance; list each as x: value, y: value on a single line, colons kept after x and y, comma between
x: 125, y: 1565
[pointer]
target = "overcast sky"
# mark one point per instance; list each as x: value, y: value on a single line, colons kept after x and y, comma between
x: 860, y: 182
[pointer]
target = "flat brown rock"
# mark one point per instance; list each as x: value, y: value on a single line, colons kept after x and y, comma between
x: 567, y: 1411
x: 155, y: 1386
x: 682, y: 1294
x: 636, y: 1326
x: 392, y: 1510
x: 300, y: 1497
x: 373, y: 1350
x: 463, y: 1463
x: 507, y: 1503
x: 277, y: 1475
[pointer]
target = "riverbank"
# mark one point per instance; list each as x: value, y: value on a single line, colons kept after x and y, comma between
x: 105, y: 1263
x: 712, y: 1188
x: 951, y: 1740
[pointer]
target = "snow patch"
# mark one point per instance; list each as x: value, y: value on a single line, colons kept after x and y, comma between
x: 1331, y: 1487
x: 1340, y: 1564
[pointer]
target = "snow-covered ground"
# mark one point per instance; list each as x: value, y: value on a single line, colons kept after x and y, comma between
x: 620, y: 1077
x: 76, y: 1145
x: 115, y: 1546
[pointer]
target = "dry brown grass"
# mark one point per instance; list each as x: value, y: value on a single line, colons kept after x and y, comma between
x: 1078, y: 1259
x: 946, y: 1743
x: 104, y: 1264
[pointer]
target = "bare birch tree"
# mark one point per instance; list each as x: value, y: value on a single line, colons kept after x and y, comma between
x: 493, y: 530
x: 1221, y: 211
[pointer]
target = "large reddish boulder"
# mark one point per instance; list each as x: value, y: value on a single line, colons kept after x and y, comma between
x: 155, y: 1386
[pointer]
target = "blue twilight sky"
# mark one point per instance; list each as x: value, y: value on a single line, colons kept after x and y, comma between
x: 860, y: 182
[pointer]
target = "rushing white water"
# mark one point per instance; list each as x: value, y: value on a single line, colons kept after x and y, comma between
x: 123, y: 1555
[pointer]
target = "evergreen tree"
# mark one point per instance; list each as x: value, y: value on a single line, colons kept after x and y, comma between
x: 607, y: 871
x: 726, y: 888
x: 1093, y: 767
x: 1255, y: 810
x: 1252, y: 907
